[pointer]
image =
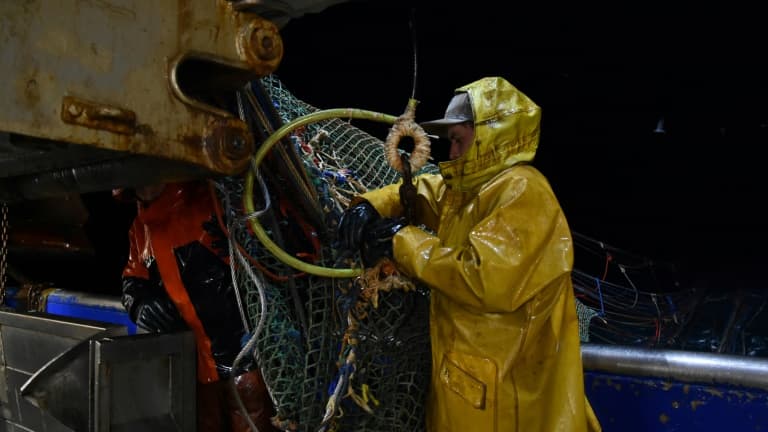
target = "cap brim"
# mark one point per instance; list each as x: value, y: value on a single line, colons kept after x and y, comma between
x: 440, y: 127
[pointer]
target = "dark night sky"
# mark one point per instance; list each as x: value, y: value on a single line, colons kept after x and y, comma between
x: 603, y: 77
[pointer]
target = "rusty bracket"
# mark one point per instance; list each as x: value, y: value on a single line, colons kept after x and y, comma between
x: 97, y: 116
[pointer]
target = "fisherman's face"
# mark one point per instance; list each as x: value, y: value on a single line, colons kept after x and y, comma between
x: 461, y: 136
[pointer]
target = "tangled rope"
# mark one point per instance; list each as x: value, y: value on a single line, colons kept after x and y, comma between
x: 365, y: 292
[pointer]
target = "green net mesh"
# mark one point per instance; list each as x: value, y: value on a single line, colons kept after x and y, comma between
x: 585, y: 315
x: 303, y: 317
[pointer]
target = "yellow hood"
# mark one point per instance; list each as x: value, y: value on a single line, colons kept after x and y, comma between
x: 506, y: 133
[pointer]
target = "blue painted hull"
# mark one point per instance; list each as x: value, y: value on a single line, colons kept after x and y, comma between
x: 642, y: 404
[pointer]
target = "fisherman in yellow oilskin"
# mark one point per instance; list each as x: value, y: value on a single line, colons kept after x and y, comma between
x: 503, y: 324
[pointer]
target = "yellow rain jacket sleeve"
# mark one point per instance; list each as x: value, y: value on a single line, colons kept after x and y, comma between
x: 504, y: 330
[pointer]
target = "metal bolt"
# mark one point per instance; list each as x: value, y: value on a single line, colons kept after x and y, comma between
x: 264, y: 43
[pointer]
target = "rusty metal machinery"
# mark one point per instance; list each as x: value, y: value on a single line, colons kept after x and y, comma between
x: 98, y: 94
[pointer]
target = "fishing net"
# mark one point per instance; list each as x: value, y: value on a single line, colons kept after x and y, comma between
x: 300, y: 325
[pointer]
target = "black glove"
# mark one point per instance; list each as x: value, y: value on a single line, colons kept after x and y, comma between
x: 352, y: 224
x: 159, y: 315
x: 377, y: 241
x: 148, y: 305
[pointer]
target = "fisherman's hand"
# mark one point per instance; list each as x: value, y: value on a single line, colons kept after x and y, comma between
x: 159, y: 315
x: 377, y: 241
x: 352, y: 225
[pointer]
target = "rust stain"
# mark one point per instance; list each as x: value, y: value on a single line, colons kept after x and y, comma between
x: 224, y: 13
x: 738, y: 394
x: 663, y: 418
x: 595, y: 384
x: 146, y: 130
x: 697, y: 403
x: 111, y: 8
x: 185, y: 16
x: 666, y: 386
x: 675, y: 404
x: 95, y: 115
x: 714, y: 392
x: 686, y: 389
x: 191, y: 141
x: 31, y: 92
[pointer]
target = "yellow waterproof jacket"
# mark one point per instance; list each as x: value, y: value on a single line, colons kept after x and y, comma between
x: 504, y: 330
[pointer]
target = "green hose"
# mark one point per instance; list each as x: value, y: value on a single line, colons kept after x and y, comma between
x: 350, y: 113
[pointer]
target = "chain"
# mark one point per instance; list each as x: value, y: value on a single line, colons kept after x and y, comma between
x: 3, y: 250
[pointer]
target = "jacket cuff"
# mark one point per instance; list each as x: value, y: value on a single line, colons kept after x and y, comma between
x: 406, y: 250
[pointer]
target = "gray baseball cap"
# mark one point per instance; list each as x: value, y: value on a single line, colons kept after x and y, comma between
x: 459, y: 111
